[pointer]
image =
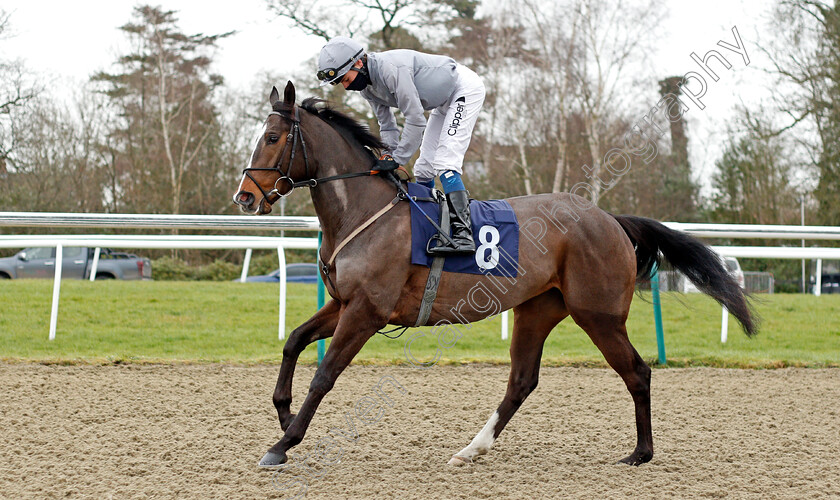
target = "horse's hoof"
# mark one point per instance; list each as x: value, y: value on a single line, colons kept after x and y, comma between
x: 458, y: 461
x: 271, y: 459
x: 636, y: 459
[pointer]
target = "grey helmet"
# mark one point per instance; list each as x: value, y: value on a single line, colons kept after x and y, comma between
x: 336, y: 58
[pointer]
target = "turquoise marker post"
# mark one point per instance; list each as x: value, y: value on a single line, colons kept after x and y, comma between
x: 322, y: 345
x: 657, y: 313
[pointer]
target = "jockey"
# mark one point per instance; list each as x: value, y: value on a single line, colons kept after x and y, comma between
x: 413, y: 82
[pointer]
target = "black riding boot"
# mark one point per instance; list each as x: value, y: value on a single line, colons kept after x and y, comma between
x: 459, y: 213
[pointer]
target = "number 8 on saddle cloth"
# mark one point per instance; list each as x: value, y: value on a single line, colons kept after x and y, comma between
x: 495, y: 229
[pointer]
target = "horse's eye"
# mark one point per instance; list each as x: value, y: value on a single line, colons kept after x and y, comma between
x: 272, y: 139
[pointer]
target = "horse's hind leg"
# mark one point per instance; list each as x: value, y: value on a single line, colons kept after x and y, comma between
x: 533, y: 321
x: 319, y: 326
x: 609, y: 334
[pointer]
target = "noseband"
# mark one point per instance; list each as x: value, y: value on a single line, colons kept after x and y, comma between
x: 294, y: 135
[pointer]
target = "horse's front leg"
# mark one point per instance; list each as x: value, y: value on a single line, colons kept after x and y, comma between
x: 319, y: 326
x: 356, y: 325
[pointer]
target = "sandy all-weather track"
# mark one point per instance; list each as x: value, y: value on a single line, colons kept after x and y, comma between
x: 180, y: 431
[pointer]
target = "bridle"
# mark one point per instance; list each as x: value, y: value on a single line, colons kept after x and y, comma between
x: 295, y: 135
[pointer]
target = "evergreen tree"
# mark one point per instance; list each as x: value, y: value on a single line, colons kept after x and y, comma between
x: 752, y: 184
x: 162, y: 96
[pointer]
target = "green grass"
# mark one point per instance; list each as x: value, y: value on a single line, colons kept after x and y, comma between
x: 119, y: 321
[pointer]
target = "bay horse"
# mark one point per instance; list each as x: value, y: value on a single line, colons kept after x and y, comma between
x: 580, y: 261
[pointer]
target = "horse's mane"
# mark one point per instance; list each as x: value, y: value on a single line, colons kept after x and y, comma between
x: 342, y: 122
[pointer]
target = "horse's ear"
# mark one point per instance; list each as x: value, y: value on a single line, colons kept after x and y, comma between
x: 289, y: 94
x: 274, y: 96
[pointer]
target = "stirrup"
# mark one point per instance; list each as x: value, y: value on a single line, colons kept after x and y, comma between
x: 430, y: 248
x: 447, y: 249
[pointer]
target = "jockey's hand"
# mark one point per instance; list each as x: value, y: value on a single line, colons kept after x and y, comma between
x: 386, y: 163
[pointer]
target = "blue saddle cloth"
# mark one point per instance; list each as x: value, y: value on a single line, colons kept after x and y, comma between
x: 495, y: 230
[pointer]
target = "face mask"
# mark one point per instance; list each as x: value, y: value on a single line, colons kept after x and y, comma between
x: 360, y: 82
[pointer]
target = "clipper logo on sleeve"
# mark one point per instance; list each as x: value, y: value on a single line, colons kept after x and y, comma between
x: 456, y: 121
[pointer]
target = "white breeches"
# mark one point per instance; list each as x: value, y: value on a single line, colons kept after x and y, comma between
x: 450, y: 126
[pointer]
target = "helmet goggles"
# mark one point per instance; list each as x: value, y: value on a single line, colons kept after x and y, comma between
x: 333, y: 75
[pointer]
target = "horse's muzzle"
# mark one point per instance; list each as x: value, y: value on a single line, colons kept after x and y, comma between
x: 246, y: 203
x: 244, y: 199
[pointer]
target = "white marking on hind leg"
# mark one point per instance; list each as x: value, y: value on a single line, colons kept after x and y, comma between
x: 480, y: 444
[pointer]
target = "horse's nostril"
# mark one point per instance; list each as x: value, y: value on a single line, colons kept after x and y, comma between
x: 244, y: 198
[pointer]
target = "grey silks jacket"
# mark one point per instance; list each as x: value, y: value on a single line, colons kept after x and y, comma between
x: 411, y: 81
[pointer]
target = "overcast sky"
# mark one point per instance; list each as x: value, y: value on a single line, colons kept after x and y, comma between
x: 67, y: 41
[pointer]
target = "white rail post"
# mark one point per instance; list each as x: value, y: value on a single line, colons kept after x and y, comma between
x: 281, y: 328
x: 818, y: 285
x: 245, y: 265
x: 504, y: 325
x: 724, y: 325
x: 95, y: 264
x: 59, y: 256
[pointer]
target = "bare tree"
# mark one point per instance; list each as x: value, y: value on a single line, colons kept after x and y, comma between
x: 386, y: 24
x: 496, y: 47
x: 56, y: 161
x: 556, y: 28
x: 805, y: 54
x: 614, y: 36
x: 17, y: 89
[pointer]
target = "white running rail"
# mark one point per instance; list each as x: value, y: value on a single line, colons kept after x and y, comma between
x: 158, y: 221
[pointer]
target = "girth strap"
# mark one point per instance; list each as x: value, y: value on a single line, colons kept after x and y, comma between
x: 435, y: 271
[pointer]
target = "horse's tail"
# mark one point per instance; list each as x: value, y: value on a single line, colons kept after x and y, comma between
x: 691, y: 257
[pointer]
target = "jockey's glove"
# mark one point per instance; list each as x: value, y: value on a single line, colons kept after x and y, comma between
x: 386, y: 163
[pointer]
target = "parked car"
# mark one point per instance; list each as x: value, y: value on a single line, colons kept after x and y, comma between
x: 76, y: 263
x: 829, y: 283
x: 732, y: 267
x: 295, y: 273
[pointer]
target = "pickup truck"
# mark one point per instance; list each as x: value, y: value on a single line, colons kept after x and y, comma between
x: 76, y: 263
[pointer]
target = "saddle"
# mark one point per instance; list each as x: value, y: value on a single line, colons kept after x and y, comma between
x: 495, y: 230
